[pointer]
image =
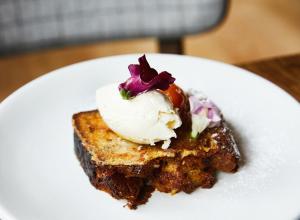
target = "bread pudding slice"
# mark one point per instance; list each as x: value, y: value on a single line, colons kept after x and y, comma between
x: 131, y: 171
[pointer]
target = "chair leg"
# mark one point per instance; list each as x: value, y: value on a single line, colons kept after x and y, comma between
x: 171, y: 45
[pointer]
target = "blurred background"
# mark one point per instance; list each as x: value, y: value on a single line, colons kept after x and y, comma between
x: 37, y: 36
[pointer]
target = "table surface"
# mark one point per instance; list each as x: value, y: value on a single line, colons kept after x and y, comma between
x: 283, y: 71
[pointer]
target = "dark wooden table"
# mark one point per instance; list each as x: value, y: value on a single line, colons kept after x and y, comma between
x: 283, y: 71
x: 14, y: 72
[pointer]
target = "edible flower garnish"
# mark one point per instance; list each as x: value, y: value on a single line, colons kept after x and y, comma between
x: 144, y: 78
x: 204, y: 114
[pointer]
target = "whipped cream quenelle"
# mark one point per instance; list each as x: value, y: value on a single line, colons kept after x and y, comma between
x: 145, y: 119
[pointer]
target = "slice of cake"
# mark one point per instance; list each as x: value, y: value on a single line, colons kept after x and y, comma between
x: 131, y: 171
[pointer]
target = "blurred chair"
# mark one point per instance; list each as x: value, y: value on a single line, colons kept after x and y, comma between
x: 27, y: 25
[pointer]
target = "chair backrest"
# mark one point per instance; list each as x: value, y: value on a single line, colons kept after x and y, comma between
x: 33, y: 24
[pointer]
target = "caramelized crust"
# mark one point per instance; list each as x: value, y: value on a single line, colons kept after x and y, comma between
x: 130, y: 171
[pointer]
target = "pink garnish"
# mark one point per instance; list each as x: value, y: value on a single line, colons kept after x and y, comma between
x: 144, y: 78
x: 204, y: 114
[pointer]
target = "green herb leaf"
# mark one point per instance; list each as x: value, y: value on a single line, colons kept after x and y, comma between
x: 125, y: 94
x: 194, y: 134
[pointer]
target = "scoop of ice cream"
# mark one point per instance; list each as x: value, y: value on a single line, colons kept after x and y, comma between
x: 145, y: 119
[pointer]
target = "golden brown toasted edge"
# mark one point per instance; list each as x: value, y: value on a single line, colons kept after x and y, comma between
x: 137, y: 170
x: 76, y: 122
x: 106, y: 147
x: 88, y: 125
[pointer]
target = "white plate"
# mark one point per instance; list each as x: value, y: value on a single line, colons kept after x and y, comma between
x: 40, y: 177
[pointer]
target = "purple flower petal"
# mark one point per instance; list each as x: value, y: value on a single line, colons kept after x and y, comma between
x: 206, y: 109
x: 210, y: 113
x: 144, y: 78
x: 134, y: 70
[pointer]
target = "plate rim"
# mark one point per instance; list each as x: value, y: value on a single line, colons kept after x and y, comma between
x: 10, y: 98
